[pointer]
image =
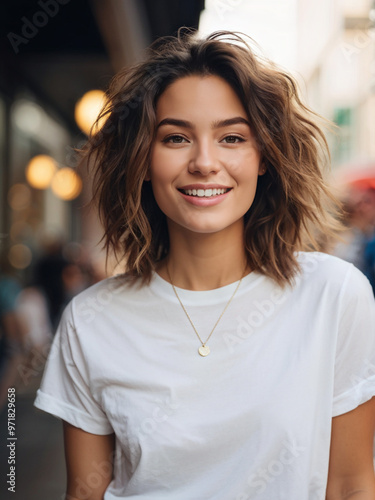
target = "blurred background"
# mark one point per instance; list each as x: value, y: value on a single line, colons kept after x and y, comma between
x: 56, y: 58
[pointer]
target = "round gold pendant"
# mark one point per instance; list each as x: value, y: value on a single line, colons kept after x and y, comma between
x: 204, y: 350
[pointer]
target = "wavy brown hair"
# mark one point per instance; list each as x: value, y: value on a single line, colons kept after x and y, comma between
x: 292, y: 204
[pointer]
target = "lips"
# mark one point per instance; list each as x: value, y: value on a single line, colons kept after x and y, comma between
x: 204, y: 193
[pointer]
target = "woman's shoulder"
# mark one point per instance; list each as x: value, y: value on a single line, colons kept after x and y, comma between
x: 319, y: 261
x: 108, y: 285
x: 103, y: 297
x: 328, y: 270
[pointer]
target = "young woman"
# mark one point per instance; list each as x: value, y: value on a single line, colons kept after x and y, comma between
x: 226, y: 363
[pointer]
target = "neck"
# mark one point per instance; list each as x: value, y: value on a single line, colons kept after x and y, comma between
x: 205, y: 261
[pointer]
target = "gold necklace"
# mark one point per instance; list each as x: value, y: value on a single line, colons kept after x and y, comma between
x: 204, y: 350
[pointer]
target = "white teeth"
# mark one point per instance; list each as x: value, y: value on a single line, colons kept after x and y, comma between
x: 204, y: 193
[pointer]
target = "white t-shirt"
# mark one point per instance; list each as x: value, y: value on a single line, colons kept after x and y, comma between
x: 252, y: 420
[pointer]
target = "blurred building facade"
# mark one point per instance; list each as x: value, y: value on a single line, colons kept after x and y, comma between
x: 336, y: 59
x: 51, y: 53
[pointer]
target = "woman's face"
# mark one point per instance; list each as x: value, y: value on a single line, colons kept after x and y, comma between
x: 204, y: 160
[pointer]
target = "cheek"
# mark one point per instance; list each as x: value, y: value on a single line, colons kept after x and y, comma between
x: 162, y: 164
x: 165, y: 169
x: 245, y: 168
x: 161, y: 180
x: 161, y: 176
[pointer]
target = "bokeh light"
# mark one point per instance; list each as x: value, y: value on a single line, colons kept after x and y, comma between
x: 19, y: 197
x: 66, y: 184
x: 87, y: 110
x: 40, y: 170
x: 20, y: 256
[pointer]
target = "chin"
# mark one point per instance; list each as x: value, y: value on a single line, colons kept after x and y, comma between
x: 210, y: 228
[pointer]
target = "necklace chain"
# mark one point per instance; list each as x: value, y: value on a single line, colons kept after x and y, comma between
x: 204, y: 350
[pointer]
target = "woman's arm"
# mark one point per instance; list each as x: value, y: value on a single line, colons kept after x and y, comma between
x: 89, y: 463
x: 351, y: 469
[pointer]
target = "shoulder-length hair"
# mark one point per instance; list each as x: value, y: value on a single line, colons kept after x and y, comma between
x: 290, y: 205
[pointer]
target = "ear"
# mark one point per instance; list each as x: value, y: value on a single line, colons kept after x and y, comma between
x: 262, y: 169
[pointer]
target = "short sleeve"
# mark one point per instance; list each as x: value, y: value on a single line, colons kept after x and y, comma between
x: 65, y: 389
x: 354, y: 381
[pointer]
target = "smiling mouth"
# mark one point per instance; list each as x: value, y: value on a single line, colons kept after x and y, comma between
x: 204, y: 193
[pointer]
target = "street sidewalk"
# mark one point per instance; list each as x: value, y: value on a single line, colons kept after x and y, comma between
x: 40, y: 466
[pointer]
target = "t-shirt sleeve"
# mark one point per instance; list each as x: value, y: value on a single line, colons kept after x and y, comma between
x: 354, y: 381
x: 65, y: 389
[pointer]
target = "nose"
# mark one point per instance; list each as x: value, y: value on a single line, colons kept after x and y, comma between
x: 203, y: 159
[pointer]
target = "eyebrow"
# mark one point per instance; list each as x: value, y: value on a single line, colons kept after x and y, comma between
x: 216, y: 124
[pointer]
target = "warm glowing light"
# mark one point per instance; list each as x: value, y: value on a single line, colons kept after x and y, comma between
x: 20, y: 256
x: 66, y: 184
x: 19, y: 197
x: 87, y: 110
x: 40, y: 170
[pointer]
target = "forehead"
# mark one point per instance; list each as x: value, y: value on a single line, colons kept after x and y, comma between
x: 199, y: 95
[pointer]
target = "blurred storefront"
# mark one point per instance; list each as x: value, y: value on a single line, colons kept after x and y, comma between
x: 339, y: 72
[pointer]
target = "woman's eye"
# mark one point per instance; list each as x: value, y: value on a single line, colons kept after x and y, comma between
x: 175, y: 139
x: 232, y: 139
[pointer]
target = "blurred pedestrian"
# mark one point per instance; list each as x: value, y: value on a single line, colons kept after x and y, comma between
x: 48, y: 278
x: 36, y: 329
x: 11, y: 339
x: 369, y: 255
x: 359, y: 208
x: 226, y: 362
x: 60, y: 275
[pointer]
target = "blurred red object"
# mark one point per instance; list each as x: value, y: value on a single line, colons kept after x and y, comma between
x: 361, y: 178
